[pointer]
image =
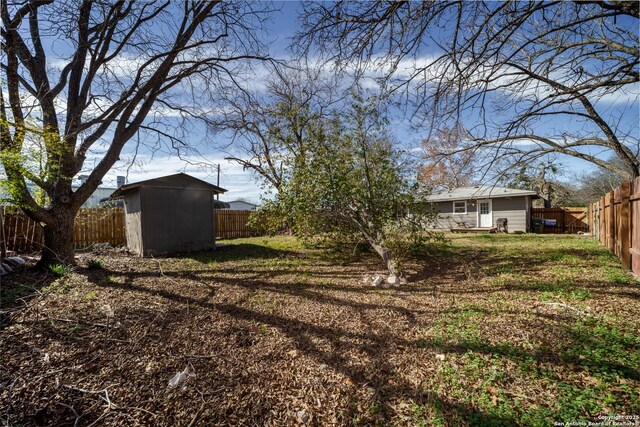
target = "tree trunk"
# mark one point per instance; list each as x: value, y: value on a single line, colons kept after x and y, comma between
x: 546, y: 195
x: 386, y: 256
x: 58, y: 240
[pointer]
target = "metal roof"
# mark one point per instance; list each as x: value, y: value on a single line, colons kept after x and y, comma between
x: 479, y: 192
x: 128, y: 187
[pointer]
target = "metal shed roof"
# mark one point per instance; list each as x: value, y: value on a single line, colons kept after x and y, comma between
x: 178, y: 178
x: 479, y: 192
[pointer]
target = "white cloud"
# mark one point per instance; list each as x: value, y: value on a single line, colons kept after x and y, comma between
x: 238, y: 182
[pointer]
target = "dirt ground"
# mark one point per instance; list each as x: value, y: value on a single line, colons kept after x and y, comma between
x: 491, y: 331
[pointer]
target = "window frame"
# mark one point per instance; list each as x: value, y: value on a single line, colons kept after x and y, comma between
x: 454, y: 207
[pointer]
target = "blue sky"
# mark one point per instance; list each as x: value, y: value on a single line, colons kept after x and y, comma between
x: 241, y: 184
x: 150, y: 161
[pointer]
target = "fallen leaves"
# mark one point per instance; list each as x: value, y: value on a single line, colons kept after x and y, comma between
x: 273, y: 346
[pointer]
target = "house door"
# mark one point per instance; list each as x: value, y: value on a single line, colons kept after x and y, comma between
x: 484, y: 211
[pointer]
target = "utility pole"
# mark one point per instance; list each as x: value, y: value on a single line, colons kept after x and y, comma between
x: 218, y: 182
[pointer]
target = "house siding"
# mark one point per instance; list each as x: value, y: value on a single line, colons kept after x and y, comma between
x: 515, y: 209
x: 447, y: 219
x: 133, y: 223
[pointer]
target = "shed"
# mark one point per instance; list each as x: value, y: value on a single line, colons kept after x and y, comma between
x: 481, y: 206
x: 173, y: 213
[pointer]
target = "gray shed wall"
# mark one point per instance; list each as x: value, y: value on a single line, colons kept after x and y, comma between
x: 133, y: 222
x: 515, y: 209
x: 177, y: 219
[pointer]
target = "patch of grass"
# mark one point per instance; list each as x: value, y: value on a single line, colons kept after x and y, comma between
x: 553, y: 290
x: 59, y: 270
x: 502, y: 267
x: 566, y: 294
x: 564, y: 258
x: 618, y: 276
x: 375, y: 409
x: 604, y: 350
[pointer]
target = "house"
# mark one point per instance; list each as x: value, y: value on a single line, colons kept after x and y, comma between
x: 481, y: 206
x: 101, y: 198
x: 241, y: 205
x: 173, y: 213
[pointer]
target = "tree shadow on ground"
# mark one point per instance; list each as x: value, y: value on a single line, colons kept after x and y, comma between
x: 18, y: 289
x: 379, y: 348
x: 378, y: 374
x: 189, y: 305
x: 236, y: 252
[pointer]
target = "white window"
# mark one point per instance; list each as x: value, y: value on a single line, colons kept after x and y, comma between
x: 460, y: 207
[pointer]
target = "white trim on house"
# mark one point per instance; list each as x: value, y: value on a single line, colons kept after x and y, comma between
x: 454, y: 207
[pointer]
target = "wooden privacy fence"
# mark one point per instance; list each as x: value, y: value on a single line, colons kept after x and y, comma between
x: 232, y: 224
x: 92, y: 225
x: 568, y: 220
x: 100, y: 225
x: 615, y: 221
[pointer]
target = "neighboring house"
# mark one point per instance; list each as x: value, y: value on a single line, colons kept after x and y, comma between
x: 99, y: 198
x: 481, y: 206
x: 174, y: 213
x: 241, y: 205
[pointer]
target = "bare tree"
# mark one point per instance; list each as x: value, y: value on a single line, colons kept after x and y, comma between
x: 595, y: 184
x: 132, y: 66
x: 540, y: 176
x: 527, y: 79
x: 278, y: 121
x: 443, y: 170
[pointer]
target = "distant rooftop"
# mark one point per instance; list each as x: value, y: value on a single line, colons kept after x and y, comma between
x: 479, y: 192
x: 242, y: 201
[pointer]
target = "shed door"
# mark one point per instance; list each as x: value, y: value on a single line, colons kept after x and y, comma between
x: 484, y: 211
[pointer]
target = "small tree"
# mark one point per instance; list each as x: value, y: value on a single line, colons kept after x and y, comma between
x: 354, y: 183
x: 273, y: 129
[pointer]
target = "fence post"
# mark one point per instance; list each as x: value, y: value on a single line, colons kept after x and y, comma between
x: 3, y: 243
x: 623, y: 225
x: 611, y: 223
x: 601, y: 234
